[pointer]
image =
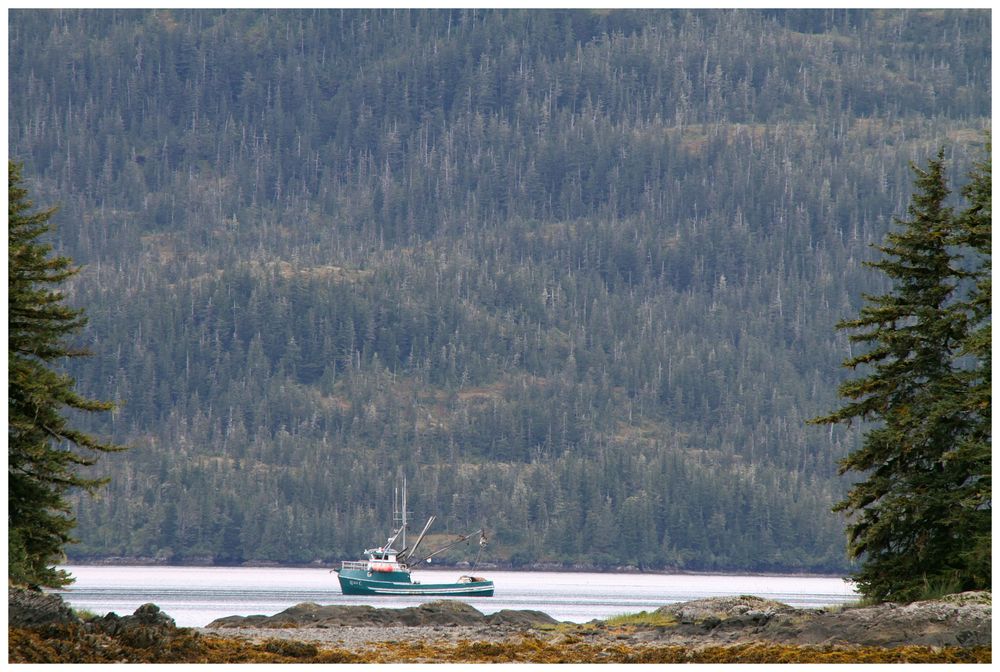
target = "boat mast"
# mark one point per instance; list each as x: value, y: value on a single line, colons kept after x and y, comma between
x: 399, y: 514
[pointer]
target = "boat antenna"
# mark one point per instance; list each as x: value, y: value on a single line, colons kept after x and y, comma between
x: 399, y: 515
x: 402, y: 515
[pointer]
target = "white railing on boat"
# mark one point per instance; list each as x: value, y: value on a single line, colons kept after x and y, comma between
x: 353, y: 564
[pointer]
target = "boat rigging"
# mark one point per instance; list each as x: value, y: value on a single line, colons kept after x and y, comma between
x: 386, y: 571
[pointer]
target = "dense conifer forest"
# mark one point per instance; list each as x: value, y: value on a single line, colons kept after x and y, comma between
x: 575, y: 274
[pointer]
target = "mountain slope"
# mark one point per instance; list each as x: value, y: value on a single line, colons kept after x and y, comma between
x: 573, y: 273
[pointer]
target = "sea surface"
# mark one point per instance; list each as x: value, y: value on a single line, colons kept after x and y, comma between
x: 195, y: 596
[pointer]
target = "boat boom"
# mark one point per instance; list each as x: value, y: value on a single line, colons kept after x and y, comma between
x: 446, y: 547
x: 413, y: 550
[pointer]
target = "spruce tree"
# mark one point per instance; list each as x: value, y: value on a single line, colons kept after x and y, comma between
x: 44, y: 451
x: 902, y: 522
x: 971, y: 459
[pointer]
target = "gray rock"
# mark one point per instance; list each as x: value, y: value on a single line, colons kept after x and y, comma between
x: 521, y: 618
x: 32, y: 608
x: 929, y: 623
x: 722, y: 608
x: 147, y: 627
x: 957, y: 620
x: 445, y: 613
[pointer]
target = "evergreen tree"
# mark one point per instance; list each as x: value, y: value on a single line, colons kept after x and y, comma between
x: 44, y: 450
x: 971, y: 459
x: 904, y: 522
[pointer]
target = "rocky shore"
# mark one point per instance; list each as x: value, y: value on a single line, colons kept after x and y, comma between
x: 732, y: 629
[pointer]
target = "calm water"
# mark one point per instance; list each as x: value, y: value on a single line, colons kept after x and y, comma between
x: 194, y: 596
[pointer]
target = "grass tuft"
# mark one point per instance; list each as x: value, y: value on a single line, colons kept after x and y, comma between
x: 643, y: 619
x: 85, y: 614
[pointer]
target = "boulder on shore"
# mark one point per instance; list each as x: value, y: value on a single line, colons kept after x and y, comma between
x: 437, y: 613
x: 33, y: 608
x: 960, y: 620
x: 147, y: 628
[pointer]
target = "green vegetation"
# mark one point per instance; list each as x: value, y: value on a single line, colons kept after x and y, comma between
x: 922, y: 516
x: 641, y: 619
x: 574, y: 274
x: 85, y: 614
x: 45, y: 450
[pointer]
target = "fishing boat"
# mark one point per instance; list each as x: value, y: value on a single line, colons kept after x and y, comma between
x: 386, y: 571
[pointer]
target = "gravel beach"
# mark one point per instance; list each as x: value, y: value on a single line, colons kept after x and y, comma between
x: 354, y: 638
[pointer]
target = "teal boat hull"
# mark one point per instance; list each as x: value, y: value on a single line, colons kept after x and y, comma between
x: 359, y: 582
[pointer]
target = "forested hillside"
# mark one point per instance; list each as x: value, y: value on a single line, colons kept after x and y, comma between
x: 575, y: 274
